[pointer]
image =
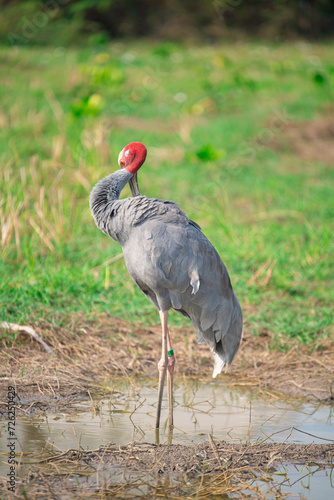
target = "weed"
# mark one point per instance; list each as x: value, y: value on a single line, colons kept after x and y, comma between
x: 213, y: 120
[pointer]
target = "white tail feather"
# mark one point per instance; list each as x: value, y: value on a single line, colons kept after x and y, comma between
x: 219, y: 365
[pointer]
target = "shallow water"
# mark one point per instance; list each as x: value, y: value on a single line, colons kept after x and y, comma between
x: 308, y: 482
x: 127, y: 413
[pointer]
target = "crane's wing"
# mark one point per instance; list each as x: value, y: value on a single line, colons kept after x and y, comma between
x: 176, y: 266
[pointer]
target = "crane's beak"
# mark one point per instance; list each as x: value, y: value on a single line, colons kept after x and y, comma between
x: 133, y: 183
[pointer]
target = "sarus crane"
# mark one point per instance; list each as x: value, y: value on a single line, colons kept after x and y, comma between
x: 173, y: 264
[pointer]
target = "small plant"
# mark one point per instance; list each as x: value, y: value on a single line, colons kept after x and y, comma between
x: 209, y: 153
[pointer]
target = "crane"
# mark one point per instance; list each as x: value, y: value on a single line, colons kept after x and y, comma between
x: 173, y: 264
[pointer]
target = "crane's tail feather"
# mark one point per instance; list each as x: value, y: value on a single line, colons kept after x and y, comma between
x: 227, y: 347
x: 219, y: 365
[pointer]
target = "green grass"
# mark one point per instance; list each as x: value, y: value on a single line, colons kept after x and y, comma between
x: 206, y: 115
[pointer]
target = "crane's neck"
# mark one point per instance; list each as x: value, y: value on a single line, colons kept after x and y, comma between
x: 106, y: 192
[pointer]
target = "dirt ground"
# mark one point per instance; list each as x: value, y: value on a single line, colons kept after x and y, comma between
x: 213, y: 456
x: 312, y: 140
x: 88, y: 353
x: 171, y: 471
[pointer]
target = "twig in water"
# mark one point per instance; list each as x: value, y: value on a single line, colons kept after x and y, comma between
x: 214, y: 449
x: 313, y: 435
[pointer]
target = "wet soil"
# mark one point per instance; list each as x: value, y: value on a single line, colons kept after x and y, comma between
x: 87, y: 354
x: 209, y: 456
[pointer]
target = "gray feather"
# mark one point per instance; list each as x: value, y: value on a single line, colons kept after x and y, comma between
x: 173, y: 263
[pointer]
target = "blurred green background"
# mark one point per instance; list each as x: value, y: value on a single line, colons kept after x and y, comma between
x: 100, y: 20
x: 234, y: 101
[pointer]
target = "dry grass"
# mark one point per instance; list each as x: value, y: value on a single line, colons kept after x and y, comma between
x: 172, y: 471
x: 36, y: 211
x: 36, y: 203
x: 88, y: 353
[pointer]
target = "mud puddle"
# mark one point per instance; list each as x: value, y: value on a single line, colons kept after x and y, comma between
x: 110, y: 441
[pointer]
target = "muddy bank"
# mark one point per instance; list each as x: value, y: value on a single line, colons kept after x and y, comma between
x: 87, y: 354
x: 171, y: 471
x: 85, y: 362
x: 209, y: 457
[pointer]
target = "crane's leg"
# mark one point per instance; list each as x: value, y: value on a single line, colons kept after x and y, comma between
x: 162, y: 365
x: 170, y: 372
x: 165, y: 365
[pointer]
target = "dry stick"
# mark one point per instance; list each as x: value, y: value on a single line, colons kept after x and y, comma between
x: 27, y: 329
x: 129, y: 457
x: 214, y: 449
x: 134, y: 411
x: 313, y: 435
x: 57, y: 457
x: 156, y: 463
x: 306, y: 388
x: 273, y: 434
x: 294, y: 428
